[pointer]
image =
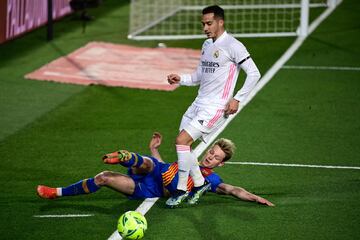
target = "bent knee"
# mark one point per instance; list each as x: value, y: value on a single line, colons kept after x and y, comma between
x: 184, y: 138
x: 178, y: 140
x: 103, y: 178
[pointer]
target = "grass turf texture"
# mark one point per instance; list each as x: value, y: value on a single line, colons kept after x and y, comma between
x: 55, y: 134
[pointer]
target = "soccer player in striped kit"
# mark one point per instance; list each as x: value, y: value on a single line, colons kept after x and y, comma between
x: 222, y: 58
x: 150, y: 176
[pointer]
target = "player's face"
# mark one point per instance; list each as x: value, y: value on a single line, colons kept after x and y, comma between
x: 214, y: 157
x: 212, y: 27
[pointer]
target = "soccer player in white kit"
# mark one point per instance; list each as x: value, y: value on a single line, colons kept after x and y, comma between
x: 222, y: 57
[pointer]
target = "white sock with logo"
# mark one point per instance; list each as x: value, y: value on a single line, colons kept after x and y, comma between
x: 184, y: 163
x: 195, y: 172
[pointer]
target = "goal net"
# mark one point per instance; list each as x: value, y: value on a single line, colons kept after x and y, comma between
x: 180, y: 19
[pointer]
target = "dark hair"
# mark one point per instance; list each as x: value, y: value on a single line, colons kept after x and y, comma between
x: 218, y: 11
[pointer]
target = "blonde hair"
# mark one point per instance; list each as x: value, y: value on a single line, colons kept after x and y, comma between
x: 227, y: 146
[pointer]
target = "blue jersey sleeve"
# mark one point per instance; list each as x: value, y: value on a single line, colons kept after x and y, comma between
x: 215, y: 180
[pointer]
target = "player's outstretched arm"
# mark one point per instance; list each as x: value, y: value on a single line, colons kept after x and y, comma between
x: 154, y: 145
x: 242, y: 194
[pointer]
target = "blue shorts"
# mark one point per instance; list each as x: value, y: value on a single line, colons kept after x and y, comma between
x: 148, y: 185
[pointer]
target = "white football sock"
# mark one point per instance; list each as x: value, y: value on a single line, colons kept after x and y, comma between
x: 59, y: 192
x: 195, y: 172
x: 184, y: 163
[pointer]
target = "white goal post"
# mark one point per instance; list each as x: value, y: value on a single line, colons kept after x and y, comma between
x: 180, y: 19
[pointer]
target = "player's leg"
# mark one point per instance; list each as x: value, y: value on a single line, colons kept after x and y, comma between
x: 186, y: 159
x: 197, y: 127
x: 192, y: 164
x: 213, y: 119
x: 193, y: 169
x: 183, y: 142
x: 120, y: 182
x: 129, y: 159
x: 117, y: 181
x: 183, y: 149
x: 200, y: 185
x: 81, y: 187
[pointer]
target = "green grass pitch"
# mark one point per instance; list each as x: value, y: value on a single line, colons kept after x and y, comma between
x: 55, y: 134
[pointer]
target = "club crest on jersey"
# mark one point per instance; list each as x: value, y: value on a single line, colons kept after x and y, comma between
x: 216, y: 54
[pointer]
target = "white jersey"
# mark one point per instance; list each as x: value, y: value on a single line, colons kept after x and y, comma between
x: 218, y: 71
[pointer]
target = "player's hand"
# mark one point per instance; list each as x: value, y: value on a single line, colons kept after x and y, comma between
x: 263, y: 201
x: 155, y: 141
x: 231, y: 107
x: 173, y: 78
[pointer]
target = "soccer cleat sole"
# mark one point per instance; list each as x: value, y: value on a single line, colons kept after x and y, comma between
x: 192, y: 200
x: 174, y: 203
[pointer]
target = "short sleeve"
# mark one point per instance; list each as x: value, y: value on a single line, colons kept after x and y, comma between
x: 215, y: 180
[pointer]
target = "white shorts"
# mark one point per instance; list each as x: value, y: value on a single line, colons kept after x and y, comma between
x: 202, y: 123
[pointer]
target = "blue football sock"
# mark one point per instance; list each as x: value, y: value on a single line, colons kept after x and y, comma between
x: 135, y: 161
x: 82, y: 187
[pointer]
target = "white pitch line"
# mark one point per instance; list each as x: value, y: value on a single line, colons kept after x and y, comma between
x: 333, y: 68
x: 293, y: 165
x: 64, y: 216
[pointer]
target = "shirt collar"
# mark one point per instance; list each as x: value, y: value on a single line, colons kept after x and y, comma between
x: 221, y: 38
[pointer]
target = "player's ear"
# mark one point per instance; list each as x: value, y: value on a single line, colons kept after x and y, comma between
x: 221, y: 164
x: 221, y: 22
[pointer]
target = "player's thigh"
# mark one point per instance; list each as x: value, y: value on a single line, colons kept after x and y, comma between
x: 117, y: 181
x: 206, y: 137
x: 212, y: 118
x: 185, y: 137
x: 206, y: 122
x: 188, y: 116
x: 207, y: 119
x: 146, y: 167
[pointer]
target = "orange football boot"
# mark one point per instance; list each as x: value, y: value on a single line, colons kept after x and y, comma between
x: 117, y: 157
x: 46, y: 192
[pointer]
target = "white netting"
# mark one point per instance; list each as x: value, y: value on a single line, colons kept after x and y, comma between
x: 170, y: 19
